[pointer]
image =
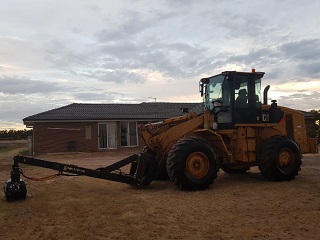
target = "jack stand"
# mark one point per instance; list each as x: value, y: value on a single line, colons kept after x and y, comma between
x: 15, y: 188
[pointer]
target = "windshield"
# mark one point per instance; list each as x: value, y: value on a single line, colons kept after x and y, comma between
x: 213, y: 91
x: 217, y: 90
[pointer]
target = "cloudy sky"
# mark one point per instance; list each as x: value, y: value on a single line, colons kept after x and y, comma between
x: 57, y: 52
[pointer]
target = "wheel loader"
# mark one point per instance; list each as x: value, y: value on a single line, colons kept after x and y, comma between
x: 234, y: 130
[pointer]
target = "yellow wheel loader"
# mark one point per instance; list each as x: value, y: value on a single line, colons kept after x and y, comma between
x: 234, y: 130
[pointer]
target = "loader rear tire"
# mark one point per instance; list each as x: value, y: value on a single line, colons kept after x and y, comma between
x: 191, y: 164
x: 280, y: 159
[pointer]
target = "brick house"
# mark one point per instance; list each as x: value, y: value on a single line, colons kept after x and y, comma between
x: 102, y: 127
x: 96, y: 127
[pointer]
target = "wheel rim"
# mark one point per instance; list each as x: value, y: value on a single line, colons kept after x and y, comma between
x: 197, y: 165
x: 285, y: 159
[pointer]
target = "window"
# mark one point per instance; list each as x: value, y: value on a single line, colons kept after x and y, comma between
x: 218, y: 92
x: 241, y: 95
x: 88, y: 132
x: 107, y: 135
x: 213, y: 91
x: 129, y: 135
x: 258, y: 92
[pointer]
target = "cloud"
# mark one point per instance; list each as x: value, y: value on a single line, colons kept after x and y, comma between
x: 291, y: 61
x: 251, y: 25
x: 305, y: 49
x: 173, y: 59
x: 301, y: 101
x: 119, y: 62
x: 132, y: 25
x: 66, y: 57
x: 183, y: 3
x: 14, y: 85
x: 310, y: 69
x: 256, y: 57
x: 15, y: 107
x: 115, y: 76
x: 97, y: 97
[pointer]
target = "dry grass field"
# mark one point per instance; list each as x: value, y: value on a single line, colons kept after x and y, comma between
x: 235, y: 207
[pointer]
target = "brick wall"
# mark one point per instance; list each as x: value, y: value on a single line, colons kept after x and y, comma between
x: 64, y: 137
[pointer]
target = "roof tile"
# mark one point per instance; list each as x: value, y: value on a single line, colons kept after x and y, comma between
x: 84, y: 111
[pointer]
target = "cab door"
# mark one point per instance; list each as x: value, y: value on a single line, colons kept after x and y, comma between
x: 247, y: 100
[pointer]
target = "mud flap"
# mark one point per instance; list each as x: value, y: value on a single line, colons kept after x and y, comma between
x: 146, y: 169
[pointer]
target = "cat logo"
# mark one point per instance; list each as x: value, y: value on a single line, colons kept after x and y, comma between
x: 265, y: 117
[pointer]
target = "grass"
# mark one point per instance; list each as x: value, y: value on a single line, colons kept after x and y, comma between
x: 8, y: 146
x: 24, y: 152
x: 4, y: 149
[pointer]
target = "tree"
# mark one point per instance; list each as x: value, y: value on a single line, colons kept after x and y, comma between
x: 15, y: 134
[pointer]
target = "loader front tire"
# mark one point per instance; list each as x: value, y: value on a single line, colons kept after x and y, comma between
x: 191, y: 164
x: 147, y: 169
x: 162, y: 171
x: 280, y: 159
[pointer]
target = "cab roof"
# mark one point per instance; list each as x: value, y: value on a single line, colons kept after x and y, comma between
x: 256, y: 75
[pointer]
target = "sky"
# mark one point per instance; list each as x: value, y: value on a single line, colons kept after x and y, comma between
x: 57, y: 52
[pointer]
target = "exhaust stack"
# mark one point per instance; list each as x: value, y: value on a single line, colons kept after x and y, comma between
x: 265, y: 95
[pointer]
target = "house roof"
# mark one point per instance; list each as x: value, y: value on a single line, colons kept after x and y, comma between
x: 141, y: 111
x: 84, y: 111
x: 307, y: 114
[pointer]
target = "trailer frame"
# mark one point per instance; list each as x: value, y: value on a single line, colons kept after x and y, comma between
x: 143, y: 169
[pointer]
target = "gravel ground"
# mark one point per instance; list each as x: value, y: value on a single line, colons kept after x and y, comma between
x: 235, y: 207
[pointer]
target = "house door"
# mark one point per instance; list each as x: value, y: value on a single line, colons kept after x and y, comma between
x: 107, y: 135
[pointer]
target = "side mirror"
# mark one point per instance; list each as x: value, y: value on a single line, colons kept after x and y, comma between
x: 217, y: 103
x: 202, y: 83
x: 201, y: 88
x: 221, y: 108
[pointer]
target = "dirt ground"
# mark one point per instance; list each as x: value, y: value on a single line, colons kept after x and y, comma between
x: 235, y: 207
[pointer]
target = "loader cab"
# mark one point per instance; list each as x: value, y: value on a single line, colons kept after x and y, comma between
x: 233, y: 97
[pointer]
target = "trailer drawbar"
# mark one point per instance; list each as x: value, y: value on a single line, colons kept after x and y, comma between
x: 143, y: 169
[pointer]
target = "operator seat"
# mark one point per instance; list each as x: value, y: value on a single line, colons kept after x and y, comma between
x: 241, y: 101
